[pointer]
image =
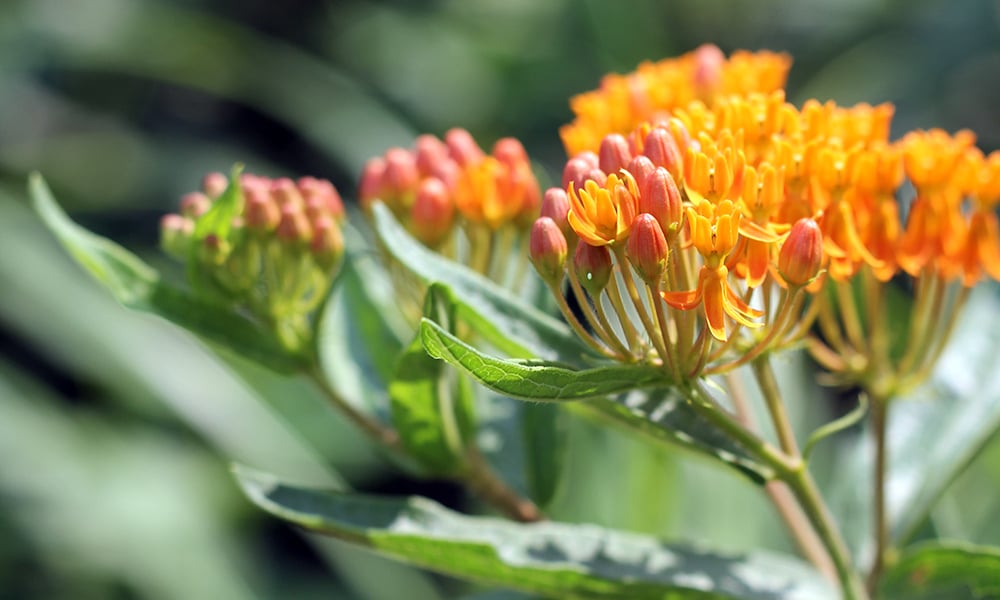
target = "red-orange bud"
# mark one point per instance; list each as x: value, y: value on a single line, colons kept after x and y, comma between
x: 462, y: 148
x: 195, y: 204
x: 593, y: 267
x: 709, y: 61
x: 801, y: 256
x: 661, y: 148
x: 401, y: 174
x: 429, y: 152
x: 555, y: 205
x: 433, y: 212
x: 294, y: 225
x: 641, y: 168
x: 662, y: 199
x: 547, y: 248
x: 510, y: 152
x: 327, y: 243
x: 614, y: 154
x: 372, y: 181
x: 576, y: 170
x: 647, y: 249
x: 262, y: 211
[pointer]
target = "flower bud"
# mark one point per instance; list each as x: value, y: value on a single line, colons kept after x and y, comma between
x: 448, y: 172
x: 372, y: 182
x: 576, y: 171
x: 195, y: 204
x: 547, y: 248
x: 510, y: 152
x: 661, y: 148
x: 709, y: 61
x: 286, y: 192
x: 327, y: 243
x: 614, y: 154
x: 597, y: 176
x: 592, y: 265
x: 555, y: 205
x: 662, y: 199
x: 175, y: 235
x: 801, y: 256
x: 647, y: 249
x: 321, y: 193
x: 641, y: 168
x: 262, y: 212
x: 214, y: 184
x: 462, y: 148
x: 433, y: 212
x: 429, y: 152
x: 401, y: 176
x: 293, y: 226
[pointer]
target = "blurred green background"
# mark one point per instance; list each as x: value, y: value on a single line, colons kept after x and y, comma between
x: 116, y: 429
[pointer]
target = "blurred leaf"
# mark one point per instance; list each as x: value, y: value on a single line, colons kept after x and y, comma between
x: 553, y: 559
x: 512, y: 326
x: 543, y: 428
x: 218, y: 219
x: 138, y: 286
x: 953, y: 571
x: 933, y: 434
x: 664, y: 414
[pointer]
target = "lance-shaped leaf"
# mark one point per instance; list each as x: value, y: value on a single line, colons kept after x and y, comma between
x: 551, y: 559
x: 639, y: 397
x: 513, y: 326
x: 543, y: 429
x: 432, y: 408
x: 138, y: 286
x: 932, y: 571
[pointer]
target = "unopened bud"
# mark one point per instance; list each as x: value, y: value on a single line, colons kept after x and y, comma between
x: 214, y: 184
x: 262, y: 212
x: 548, y: 249
x: 662, y: 199
x: 195, y: 204
x: 576, y: 171
x: 709, y: 61
x: 175, y: 235
x: 294, y: 225
x: 801, y: 256
x: 597, y: 176
x: 429, y: 152
x: 661, y: 148
x: 286, y: 192
x: 510, y: 152
x: 647, y: 249
x: 641, y: 168
x: 555, y: 205
x: 372, y: 182
x: 462, y: 148
x: 433, y: 212
x: 401, y: 174
x: 592, y: 265
x: 614, y: 154
x: 321, y: 193
x: 327, y: 243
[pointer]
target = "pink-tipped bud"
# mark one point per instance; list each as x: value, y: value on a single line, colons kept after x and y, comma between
x: 175, y: 235
x: 448, y: 172
x: 294, y: 225
x: 510, y: 152
x: 661, y: 148
x: 647, y: 249
x: 592, y: 265
x: 372, y: 183
x: 462, y: 148
x: 641, y: 168
x: 555, y: 205
x: 286, y: 192
x: 598, y: 176
x: 679, y: 132
x: 547, y: 248
x: 262, y: 212
x: 195, y: 204
x: 709, y: 61
x: 614, y: 154
x: 321, y: 193
x: 401, y: 175
x: 662, y: 199
x: 249, y: 181
x: 433, y: 213
x: 327, y: 243
x: 214, y: 184
x: 429, y: 152
x: 576, y: 171
x: 801, y: 256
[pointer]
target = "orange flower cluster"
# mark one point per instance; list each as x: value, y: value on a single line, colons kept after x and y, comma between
x: 754, y: 195
x: 440, y: 184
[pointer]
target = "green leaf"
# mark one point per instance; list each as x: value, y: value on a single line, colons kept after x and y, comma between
x: 953, y: 571
x: 552, y: 559
x: 535, y: 380
x: 138, y: 286
x: 543, y: 430
x: 511, y: 325
x: 659, y: 411
x: 933, y: 434
x: 431, y: 407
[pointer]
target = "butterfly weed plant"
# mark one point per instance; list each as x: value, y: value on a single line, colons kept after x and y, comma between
x: 703, y: 228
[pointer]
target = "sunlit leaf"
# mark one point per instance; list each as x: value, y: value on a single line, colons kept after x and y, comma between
x: 953, y: 571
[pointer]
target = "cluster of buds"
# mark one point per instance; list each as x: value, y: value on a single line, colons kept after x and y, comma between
x: 748, y: 219
x: 444, y: 189
x: 270, y: 247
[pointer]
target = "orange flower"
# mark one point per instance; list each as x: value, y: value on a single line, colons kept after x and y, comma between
x: 603, y: 216
x: 714, y: 233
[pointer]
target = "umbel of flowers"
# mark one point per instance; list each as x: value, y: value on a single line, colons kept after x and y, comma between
x: 268, y: 247
x: 705, y: 224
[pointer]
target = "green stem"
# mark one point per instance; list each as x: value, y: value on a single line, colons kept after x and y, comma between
x: 775, y: 406
x: 483, y: 480
x: 386, y: 436
x: 880, y: 412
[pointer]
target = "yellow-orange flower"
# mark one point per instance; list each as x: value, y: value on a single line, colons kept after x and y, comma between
x: 603, y: 216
